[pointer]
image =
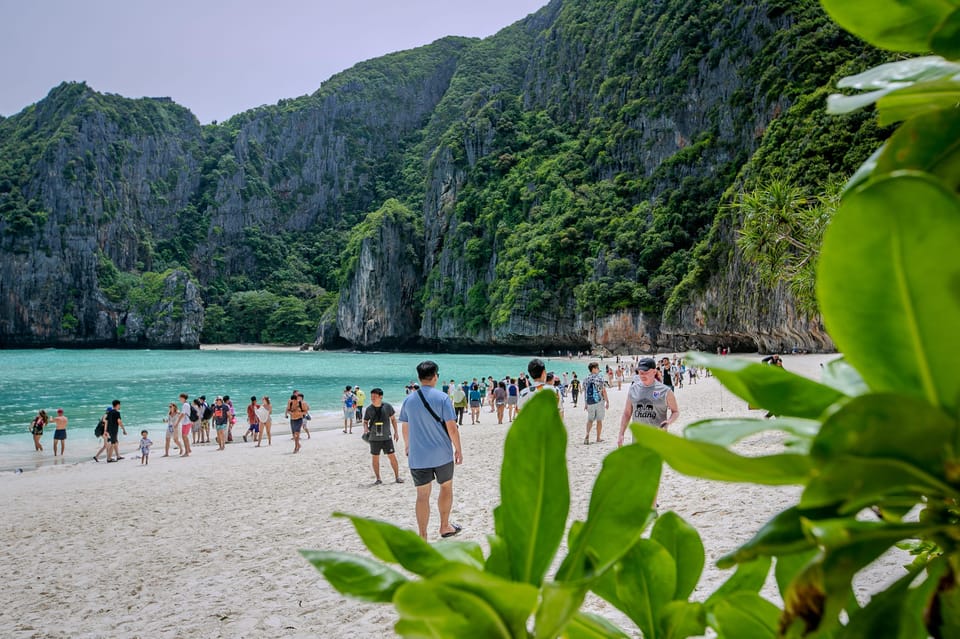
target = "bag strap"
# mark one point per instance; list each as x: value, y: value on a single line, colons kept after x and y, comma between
x: 431, y: 411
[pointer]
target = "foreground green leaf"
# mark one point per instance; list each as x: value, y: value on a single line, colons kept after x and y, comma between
x: 710, y: 461
x: 839, y: 374
x: 682, y: 541
x: 928, y: 143
x: 397, y: 545
x: 743, y: 614
x: 749, y: 577
x: 891, y: 24
x: 725, y: 432
x: 771, y: 387
x: 682, y: 619
x: 897, y: 612
x: 356, y: 576
x: 534, y: 489
x: 782, y: 535
x: 513, y: 602
x: 620, y: 505
x: 429, y: 609
x: 897, y: 326
x: 641, y: 584
x: 586, y: 625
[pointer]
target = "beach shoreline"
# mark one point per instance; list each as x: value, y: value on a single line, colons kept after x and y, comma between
x: 206, y: 546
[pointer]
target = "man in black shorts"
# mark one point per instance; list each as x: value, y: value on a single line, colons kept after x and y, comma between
x: 114, y: 424
x: 377, y: 419
x: 432, y: 443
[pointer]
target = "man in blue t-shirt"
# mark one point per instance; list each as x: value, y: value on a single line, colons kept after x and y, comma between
x: 433, y: 447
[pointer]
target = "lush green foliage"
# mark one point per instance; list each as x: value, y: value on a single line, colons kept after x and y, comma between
x: 876, y: 448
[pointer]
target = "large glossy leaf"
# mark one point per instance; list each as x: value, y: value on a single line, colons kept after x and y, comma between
x: 743, y: 614
x: 891, y: 24
x: 559, y: 603
x: 641, y: 584
x: 397, y: 545
x: 430, y: 609
x: 919, y: 99
x: 682, y: 541
x: 790, y: 565
x: 464, y: 552
x: 882, y: 80
x: 682, y: 619
x: 894, y: 427
x: 897, y: 612
x: 748, y: 577
x: 782, y: 535
x: 534, y: 490
x: 946, y: 38
x: 356, y: 576
x: 513, y: 602
x: 839, y: 374
x: 852, y: 483
x: 710, y: 461
x: 889, y: 295
x: 725, y: 432
x: 771, y: 387
x: 928, y: 143
x: 585, y: 625
x: 620, y: 505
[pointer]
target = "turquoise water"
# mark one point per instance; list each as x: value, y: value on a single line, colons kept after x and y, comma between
x: 84, y: 382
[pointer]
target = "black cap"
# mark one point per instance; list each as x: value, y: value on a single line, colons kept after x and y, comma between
x: 646, y: 364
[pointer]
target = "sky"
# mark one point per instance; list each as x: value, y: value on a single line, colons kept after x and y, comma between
x: 219, y: 57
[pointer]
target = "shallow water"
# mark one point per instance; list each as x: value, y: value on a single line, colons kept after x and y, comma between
x: 84, y: 382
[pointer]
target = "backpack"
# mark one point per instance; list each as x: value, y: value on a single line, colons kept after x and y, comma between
x: 194, y: 415
x: 100, y: 427
x: 207, y: 412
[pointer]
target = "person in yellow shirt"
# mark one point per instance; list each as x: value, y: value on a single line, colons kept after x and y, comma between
x: 361, y: 398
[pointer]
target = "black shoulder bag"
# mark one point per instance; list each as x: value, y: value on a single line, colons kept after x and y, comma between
x: 432, y: 413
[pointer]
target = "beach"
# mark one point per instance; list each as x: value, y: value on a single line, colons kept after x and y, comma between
x: 206, y: 546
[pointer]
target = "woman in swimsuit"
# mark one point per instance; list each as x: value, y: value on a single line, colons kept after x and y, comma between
x: 36, y: 428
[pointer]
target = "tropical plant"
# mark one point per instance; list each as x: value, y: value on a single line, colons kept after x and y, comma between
x: 875, y: 443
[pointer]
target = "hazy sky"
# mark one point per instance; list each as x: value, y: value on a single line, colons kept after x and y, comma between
x: 219, y: 57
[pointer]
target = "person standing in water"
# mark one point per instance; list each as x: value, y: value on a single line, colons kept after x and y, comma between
x: 60, y: 434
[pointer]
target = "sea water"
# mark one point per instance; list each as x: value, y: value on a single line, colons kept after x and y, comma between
x: 85, y: 382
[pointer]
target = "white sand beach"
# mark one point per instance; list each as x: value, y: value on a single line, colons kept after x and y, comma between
x: 206, y: 546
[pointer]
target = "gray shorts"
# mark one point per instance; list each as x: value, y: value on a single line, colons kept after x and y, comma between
x: 423, y: 476
x: 595, y: 412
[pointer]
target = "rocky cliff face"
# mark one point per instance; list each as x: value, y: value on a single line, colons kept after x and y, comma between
x: 563, y: 172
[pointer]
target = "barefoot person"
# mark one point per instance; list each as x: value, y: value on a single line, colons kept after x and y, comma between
x: 265, y: 419
x: 36, y: 429
x: 60, y: 433
x: 221, y: 418
x: 145, y: 445
x: 296, y: 409
x: 377, y: 420
x: 595, y: 400
x: 253, y: 422
x: 432, y: 444
x: 114, y: 425
x: 173, y: 433
x: 184, y: 424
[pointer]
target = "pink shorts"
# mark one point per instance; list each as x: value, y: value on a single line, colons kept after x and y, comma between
x: 185, y: 428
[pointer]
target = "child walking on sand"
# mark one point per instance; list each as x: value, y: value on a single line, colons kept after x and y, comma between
x: 145, y: 445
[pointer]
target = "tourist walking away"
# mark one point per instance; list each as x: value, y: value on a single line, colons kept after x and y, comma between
x: 348, y: 401
x: 595, y: 401
x: 36, y: 429
x: 475, y: 401
x: 649, y: 401
x: 145, y: 445
x: 296, y: 409
x: 499, y: 395
x: 265, y: 420
x: 221, y: 419
x: 114, y: 425
x: 173, y: 433
x: 206, y: 414
x: 59, y: 432
x: 233, y: 417
x: 538, y: 381
x: 184, y: 425
x: 574, y: 389
x: 432, y: 443
x: 196, y: 417
x: 666, y: 375
x: 377, y: 421
x: 513, y: 394
x: 459, y: 399
x: 361, y: 398
x: 253, y: 422
x: 100, y: 431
